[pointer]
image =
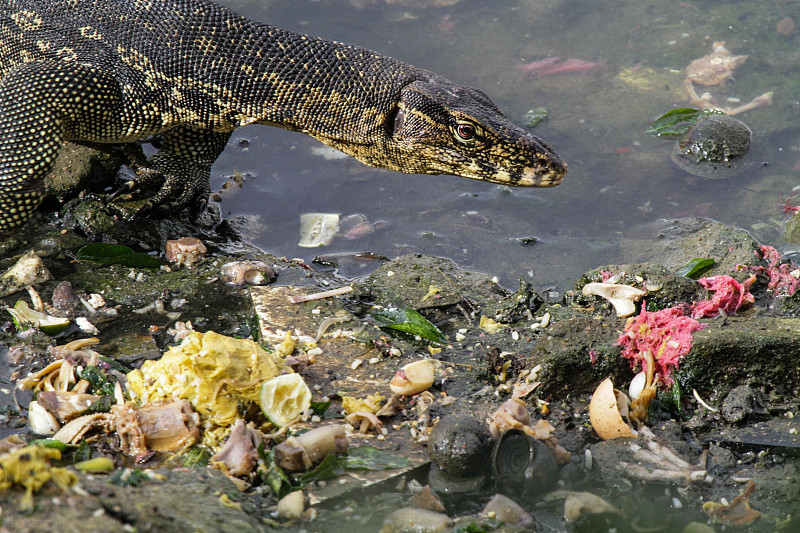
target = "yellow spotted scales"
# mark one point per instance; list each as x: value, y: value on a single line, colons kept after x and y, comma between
x: 115, y: 71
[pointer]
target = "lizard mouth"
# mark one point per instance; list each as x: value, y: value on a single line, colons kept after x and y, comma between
x: 549, y: 174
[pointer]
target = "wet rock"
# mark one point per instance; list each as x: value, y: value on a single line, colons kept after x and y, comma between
x: 80, y: 167
x: 65, y: 300
x: 735, y: 350
x: 565, y: 353
x: 777, y: 436
x: 432, y: 285
x: 460, y: 445
x: 674, y: 242
x: 714, y: 147
x: 744, y: 404
x: 186, y: 500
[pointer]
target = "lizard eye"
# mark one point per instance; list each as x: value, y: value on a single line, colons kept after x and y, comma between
x: 465, y: 131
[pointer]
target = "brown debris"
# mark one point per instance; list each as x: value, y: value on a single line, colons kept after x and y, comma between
x: 738, y: 513
x: 239, y: 456
x: 157, y: 426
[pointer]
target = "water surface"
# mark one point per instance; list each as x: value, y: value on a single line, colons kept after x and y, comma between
x: 619, y: 177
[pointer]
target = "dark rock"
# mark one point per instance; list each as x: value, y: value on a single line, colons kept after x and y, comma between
x: 744, y: 404
x: 461, y: 446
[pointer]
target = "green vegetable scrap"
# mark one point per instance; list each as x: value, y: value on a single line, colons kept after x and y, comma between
x: 408, y: 321
x: 100, y: 384
x: 676, y: 122
x: 695, y: 268
x: 358, y: 458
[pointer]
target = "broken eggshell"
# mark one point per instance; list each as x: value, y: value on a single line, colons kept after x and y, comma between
x: 413, y: 378
x: 242, y: 273
x: 622, y: 297
x: 606, y: 409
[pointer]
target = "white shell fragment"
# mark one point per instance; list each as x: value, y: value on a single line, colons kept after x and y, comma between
x: 620, y: 296
x: 317, y: 229
x: 28, y: 270
x: 41, y: 421
x: 413, y: 378
x: 291, y: 506
x: 605, y: 412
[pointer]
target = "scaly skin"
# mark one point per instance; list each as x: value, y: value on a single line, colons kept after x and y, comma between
x: 114, y: 71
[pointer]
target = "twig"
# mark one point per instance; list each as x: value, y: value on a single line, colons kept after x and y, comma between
x: 321, y: 295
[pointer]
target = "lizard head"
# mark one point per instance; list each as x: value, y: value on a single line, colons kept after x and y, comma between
x: 438, y: 127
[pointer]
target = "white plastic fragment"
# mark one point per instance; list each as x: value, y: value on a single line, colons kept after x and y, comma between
x: 317, y: 229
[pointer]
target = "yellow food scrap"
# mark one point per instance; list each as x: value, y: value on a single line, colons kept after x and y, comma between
x: 434, y: 350
x: 214, y: 372
x: 433, y: 290
x: 285, y: 348
x: 489, y: 325
x: 370, y: 404
x: 30, y: 468
x: 225, y: 500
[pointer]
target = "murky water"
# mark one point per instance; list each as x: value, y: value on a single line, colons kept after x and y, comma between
x: 619, y: 177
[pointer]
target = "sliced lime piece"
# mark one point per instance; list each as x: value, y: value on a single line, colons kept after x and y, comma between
x: 284, y: 398
x: 25, y: 317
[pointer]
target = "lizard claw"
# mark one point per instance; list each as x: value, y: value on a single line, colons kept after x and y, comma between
x: 126, y: 187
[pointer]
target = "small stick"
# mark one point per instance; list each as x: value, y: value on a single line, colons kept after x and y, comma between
x: 321, y: 295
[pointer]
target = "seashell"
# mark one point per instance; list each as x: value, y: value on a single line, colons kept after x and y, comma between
x: 413, y: 378
x: 75, y: 430
x: 242, y: 273
x: 605, y: 412
x: 40, y: 420
x: 28, y: 270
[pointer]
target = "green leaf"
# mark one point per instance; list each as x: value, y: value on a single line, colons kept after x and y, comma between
x: 326, y: 469
x: 128, y: 477
x: 369, y: 458
x: 103, y: 405
x: 273, y: 475
x: 83, y: 452
x: 319, y: 408
x: 197, y: 456
x: 54, y: 443
x: 100, y: 384
x: 695, y: 268
x: 115, y: 254
x: 678, y: 121
x: 408, y: 321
